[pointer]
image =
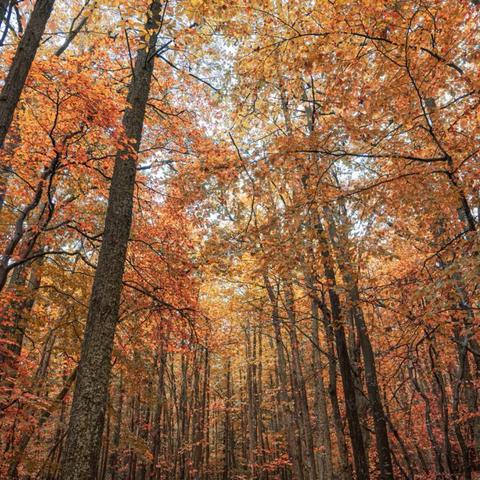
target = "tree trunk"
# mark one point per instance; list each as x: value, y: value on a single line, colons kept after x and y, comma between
x: 359, y: 455
x: 324, y: 457
x: 299, y: 385
x: 250, y: 354
x: 345, y: 467
x: 439, y: 469
x: 283, y: 397
x: 159, y: 406
x: 87, y: 416
x: 113, y: 460
x: 228, y: 431
x: 381, y: 436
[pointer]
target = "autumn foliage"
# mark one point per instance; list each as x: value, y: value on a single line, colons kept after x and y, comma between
x: 239, y: 239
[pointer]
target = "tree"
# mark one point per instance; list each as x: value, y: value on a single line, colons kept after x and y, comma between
x: 80, y: 460
x: 266, y: 213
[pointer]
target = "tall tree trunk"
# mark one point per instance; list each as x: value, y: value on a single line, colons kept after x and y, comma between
x: 87, y: 416
x: 144, y: 419
x: 339, y: 240
x: 250, y: 354
x: 324, y: 456
x: 159, y: 407
x: 287, y: 417
x: 358, y: 447
x: 345, y: 467
x: 262, y: 439
x: 183, y: 416
x: 132, y: 455
x: 299, y: 384
x: 337, y: 326
x: 117, y: 430
x: 440, y: 471
x: 442, y: 404
x: 228, y: 431
x: 317, y: 305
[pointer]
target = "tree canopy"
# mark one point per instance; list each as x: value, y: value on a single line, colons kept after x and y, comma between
x: 239, y: 239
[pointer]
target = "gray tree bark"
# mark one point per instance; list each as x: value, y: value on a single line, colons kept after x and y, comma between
x: 287, y: 419
x: 358, y: 447
x: 87, y: 415
x: 381, y: 435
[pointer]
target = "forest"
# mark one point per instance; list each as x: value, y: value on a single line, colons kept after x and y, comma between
x: 239, y: 239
